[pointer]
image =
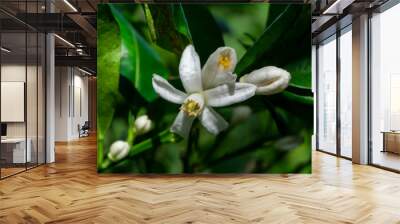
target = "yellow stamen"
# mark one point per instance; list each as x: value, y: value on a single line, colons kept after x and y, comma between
x: 224, y: 61
x: 191, y: 108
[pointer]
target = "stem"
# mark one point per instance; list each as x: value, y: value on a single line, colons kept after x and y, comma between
x: 192, y: 143
x: 131, y: 130
x: 163, y: 137
x: 105, y: 164
x: 100, y: 150
x: 150, y: 22
x: 131, y: 135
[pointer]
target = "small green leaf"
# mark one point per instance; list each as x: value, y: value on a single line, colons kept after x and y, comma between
x: 168, y: 26
x: 181, y: 21
x: 141, y: 60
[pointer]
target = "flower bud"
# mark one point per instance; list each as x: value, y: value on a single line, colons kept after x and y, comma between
x: 118, y: 150
x: 269, y: 80
x: 143, y: 125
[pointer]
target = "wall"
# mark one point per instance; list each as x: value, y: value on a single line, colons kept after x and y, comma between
x: 10, y: 73
x: 33, y: 127
x: 71, y: 102
x: 62, y: 81
x: 15, y: 72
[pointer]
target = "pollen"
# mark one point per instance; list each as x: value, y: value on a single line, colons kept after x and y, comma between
x: 191, y: 108
x: 224, y: 61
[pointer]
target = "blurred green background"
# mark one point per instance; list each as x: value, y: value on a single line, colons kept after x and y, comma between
x: 267, y: 134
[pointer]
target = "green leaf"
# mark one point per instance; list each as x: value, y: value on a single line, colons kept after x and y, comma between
x: 108, y: 56
x: 298, y: 159
x: 270, y: 156
x: 141, y: 60
x: 169, y: 157
x: 242, y: 24
x: 286, y: 39
x: 206, y: 35
x: 267, y: 39
x: 308, y: 100
x: 238, y: 164
x: 180, y: 21
x: 281, y: 123
x: 168, y: 26
x: 259, y: 126
x: 273, y: 12
x: 293, y: 52
x: 298, y: 106
x: 301, y: 73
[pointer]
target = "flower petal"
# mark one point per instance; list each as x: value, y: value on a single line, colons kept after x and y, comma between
x: 269, y: 80
x: 167, y: 91
x: 118, y: 150
x: 219, y: 68
x: 221, y: 96
x: 223, y: 78
x: 143, y: 125
x: 212, y: 121
x: 182, y: 124
x: 190, y: 70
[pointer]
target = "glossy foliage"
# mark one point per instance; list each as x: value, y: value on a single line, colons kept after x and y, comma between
x: 266, y: 134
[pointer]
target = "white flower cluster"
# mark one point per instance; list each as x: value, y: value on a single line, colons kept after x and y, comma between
x: 214, y: 85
